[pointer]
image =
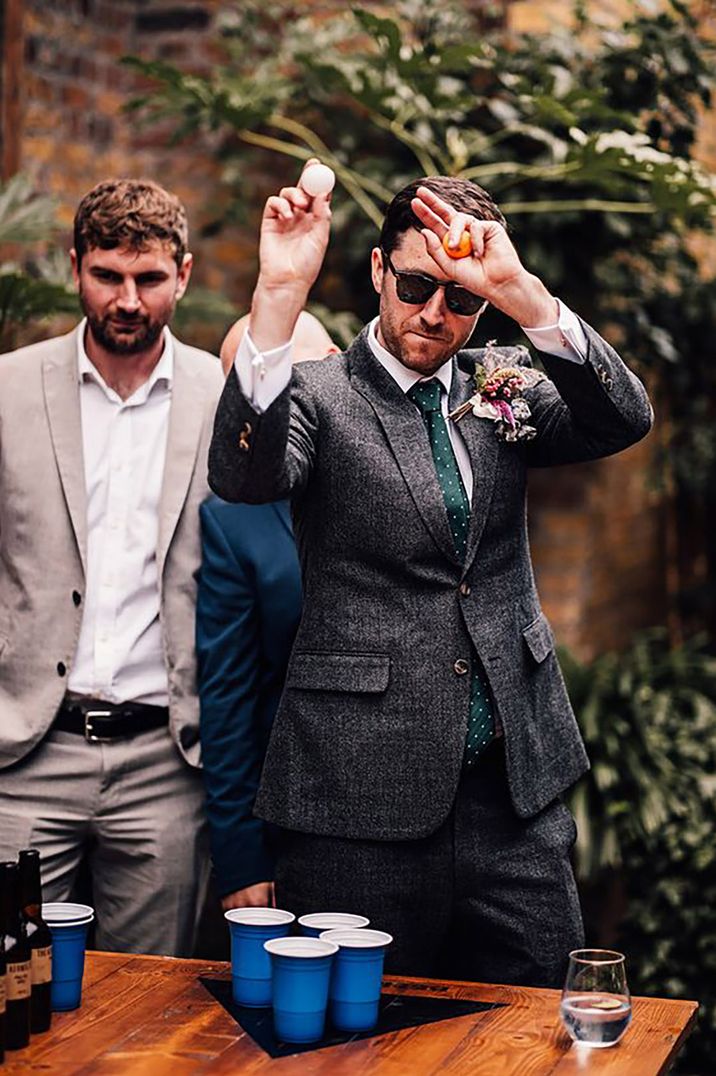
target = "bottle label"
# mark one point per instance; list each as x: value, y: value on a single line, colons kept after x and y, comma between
x: 19, y: 981
x: 42, y: 965
x: 2, y: 994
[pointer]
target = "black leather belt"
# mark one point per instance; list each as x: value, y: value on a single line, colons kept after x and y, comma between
x: 99, y: 721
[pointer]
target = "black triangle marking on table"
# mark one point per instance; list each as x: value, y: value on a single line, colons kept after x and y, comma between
x: 397, y: 1011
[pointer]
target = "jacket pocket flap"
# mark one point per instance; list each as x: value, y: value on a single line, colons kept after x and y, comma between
x: 539, y: 638
x: 339, y: 672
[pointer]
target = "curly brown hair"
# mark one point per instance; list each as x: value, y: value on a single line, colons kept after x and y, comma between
x: 130, y: 213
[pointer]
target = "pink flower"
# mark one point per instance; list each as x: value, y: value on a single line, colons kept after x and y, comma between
x: 505, y: 412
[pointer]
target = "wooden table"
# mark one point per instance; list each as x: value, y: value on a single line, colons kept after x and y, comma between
x: 151, y: 1016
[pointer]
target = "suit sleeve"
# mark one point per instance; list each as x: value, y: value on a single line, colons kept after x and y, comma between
x: 586, y: 411
x: 232, y: 740
x: 257, y: 457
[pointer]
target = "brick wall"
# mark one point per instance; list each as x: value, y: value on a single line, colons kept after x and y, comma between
x: 74, y: 132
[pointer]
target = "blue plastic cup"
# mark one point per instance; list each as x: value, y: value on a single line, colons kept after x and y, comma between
x: 301, y: 973
x: 357, y: 977
x: 250, y: 963
x: 313, y: 925
x: 68, y: 925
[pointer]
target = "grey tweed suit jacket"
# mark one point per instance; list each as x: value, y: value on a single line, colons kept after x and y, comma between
x: 369, y: 737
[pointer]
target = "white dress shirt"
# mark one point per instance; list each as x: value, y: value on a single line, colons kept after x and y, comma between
x: 119, y: 654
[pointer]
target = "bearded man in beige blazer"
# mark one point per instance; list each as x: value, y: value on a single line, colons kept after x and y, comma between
x: 103, y: 443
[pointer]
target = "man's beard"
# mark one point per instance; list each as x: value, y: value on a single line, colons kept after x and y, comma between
x: 107, y: 332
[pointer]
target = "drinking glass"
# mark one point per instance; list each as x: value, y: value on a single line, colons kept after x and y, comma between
x: 596, y: 1006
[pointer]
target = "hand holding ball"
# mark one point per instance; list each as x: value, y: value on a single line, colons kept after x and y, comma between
x: 462, y: 250
x: 317, y: 179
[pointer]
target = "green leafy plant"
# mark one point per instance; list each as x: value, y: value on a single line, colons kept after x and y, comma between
x: 646, y: 815
x: 31, y: 288
x: 648, y: 717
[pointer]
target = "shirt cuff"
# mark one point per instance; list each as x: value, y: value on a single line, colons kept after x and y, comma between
x: 263, y: 375
x: 566, y: 339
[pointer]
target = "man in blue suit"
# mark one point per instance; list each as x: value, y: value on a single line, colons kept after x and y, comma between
x: 248, y: 609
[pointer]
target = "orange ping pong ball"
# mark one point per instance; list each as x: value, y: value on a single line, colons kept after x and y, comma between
x: 462, y: 250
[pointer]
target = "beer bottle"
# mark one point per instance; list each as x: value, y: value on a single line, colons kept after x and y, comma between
x: 17, y: 957
x: 39, y: 937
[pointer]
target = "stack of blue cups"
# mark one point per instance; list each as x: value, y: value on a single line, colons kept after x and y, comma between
x: 68, y: 925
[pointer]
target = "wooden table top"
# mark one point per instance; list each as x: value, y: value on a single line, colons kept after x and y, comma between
x: 151, y: 1016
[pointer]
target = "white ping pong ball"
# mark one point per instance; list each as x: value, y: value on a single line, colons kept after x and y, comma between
x: 318, y: 179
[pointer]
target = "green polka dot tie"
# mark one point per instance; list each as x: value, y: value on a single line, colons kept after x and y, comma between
x: 426, y: 396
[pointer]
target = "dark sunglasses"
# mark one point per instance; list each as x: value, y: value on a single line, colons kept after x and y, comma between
x: 417, y: 288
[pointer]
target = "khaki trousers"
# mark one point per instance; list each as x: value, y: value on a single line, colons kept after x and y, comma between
x: 135, y: 809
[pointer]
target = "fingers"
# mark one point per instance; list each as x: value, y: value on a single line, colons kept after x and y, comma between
x: 432, y: 211
x: 292, y: 203
x: 437, y: 205
x: 477, y: 231
x: 427, y: 216
x: 436, y: 251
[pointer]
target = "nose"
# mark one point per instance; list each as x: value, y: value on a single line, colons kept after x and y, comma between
x: 128, y: 298
x: 433, y: 312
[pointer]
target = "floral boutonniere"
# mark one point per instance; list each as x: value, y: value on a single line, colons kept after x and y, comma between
x: 498, y: 396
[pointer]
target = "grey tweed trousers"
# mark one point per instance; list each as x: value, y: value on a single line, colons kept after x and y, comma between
x: 488, y: 897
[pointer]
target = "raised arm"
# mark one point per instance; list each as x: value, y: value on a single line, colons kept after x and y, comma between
x: 591, y: 407
x: 253, y: 456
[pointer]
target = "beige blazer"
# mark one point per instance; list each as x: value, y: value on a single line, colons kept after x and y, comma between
x: 43, y: 535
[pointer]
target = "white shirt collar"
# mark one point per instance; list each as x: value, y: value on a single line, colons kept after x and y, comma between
x: 405, y: 378
x: 163, y: 371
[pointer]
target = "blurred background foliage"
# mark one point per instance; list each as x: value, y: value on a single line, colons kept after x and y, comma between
x: 587, y: 139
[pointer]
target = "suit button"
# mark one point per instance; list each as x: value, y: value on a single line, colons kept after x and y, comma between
x: 61, y: 668
x: 244, y: 437
x: 76, y: 597
x: 461, y: 666
x: 465, y: 589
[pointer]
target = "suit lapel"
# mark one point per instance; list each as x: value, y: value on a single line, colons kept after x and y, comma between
x: 407, y: 437
x: 62, y: 400
x: 186, y: 417
x: 483, y: 449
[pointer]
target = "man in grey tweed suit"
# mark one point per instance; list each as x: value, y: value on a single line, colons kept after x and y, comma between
x: 425, y: 738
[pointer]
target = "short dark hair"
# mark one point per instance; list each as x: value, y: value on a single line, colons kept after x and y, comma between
x: 461, y: 194
x: 130, y: 213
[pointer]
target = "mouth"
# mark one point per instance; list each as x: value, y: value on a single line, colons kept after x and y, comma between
x: 425, y: 336
x: 125, y: 326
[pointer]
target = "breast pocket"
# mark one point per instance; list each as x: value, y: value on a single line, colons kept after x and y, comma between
x: 321, y: 671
